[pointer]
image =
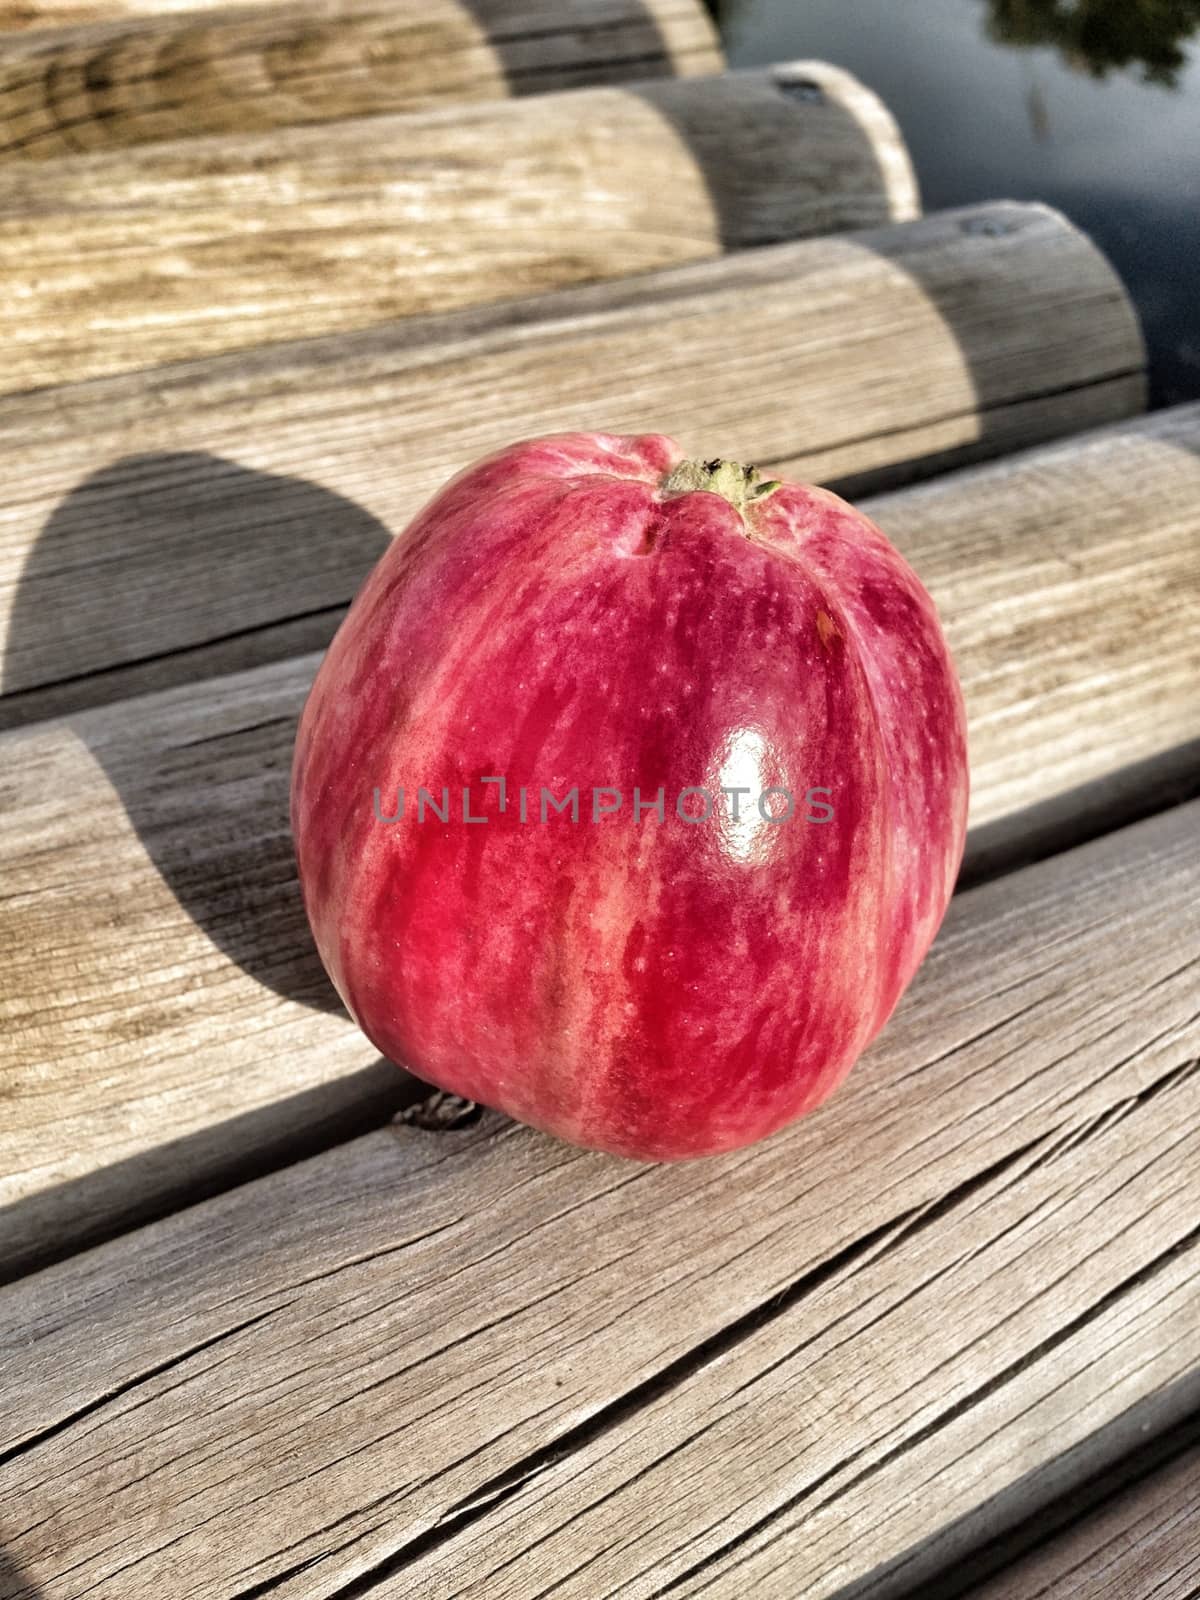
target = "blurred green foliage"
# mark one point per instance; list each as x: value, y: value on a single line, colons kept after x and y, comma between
x: 1096, y: 36
x: 1100, y: 35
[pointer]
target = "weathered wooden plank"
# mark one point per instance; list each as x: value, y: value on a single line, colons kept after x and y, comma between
x: 519, y: 16
x: 53, y: 14
x: 111, y: 84
x: 1140, y: 1542
x: 160, y: 973
x: 200, y: 507
x: 880, y: 1411
x: 981, y: 1251
x: 119, y: 260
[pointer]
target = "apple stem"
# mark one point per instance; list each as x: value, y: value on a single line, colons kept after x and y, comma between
x: 741, y: 486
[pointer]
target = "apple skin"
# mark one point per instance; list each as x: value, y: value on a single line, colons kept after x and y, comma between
x: 658, y: 989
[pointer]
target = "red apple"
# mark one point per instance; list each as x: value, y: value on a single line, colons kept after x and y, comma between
x: 586, y: 617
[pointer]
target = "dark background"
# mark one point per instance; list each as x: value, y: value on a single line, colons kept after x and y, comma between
x: 1090, y: 105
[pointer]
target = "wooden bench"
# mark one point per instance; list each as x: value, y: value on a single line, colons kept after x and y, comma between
x: 131, y: 74
x: 257, y: 1337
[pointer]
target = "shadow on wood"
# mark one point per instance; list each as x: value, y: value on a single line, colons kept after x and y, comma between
x: 238, y: 240
x: 1130, y: 1531
x: 990, y: 1546
x: 180, y: 1172
x: 151, y: 969
x: 108, y: 82
x: 1042, y: 322
x: 1117, y: 799
x: 864, y: 159
x: 952, y: 1276
x: 649, y: 38
x: 973, y: 334
x: 184, y: 504
x: 14, y: 1585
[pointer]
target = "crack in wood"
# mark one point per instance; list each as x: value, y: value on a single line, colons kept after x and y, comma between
x: 948, y: 1416
x: 495, y: 1491
x: 69, y: 1421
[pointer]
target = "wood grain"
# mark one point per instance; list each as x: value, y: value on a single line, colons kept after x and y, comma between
x: 108, y: 85
x: 801, y: 1360
x: 19, y: 14
x: 1140, y: 1543
x: 160, y: 974
x: 228, y: 508
x: 120, y: 260
x: 548, y: 14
